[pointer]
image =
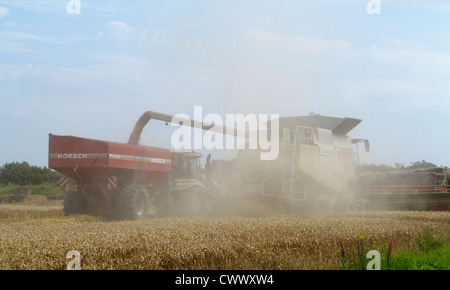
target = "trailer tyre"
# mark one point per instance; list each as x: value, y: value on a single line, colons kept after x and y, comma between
x: 132, y: 202
x: 74, y: 203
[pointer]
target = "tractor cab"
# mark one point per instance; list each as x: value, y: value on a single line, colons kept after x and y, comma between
x: 188, y: 185
x: 186, y: 171
x: 188, y: 165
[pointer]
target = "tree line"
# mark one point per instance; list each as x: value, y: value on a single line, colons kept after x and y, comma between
x: 22, y: 173
x: 397, y: 166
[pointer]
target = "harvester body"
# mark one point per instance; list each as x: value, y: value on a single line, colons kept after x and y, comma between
x: 315, y: 166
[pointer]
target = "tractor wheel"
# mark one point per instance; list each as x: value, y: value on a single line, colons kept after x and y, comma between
x: 74, y: 203
x: 132, y: 202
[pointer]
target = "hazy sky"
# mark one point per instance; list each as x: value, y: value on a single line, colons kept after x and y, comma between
x: 93, y: 74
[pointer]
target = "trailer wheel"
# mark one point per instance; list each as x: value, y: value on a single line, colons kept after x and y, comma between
x: 74, y: 203
x: 132, y: 202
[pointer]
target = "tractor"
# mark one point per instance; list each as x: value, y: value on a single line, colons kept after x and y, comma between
x: 128, y: 181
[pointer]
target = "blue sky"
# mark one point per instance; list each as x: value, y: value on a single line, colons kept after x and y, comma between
x: 93, y: 74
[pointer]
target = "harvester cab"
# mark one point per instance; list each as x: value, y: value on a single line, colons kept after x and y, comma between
x: 366, y: 147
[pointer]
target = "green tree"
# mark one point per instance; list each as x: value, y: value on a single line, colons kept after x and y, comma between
x: 421, y: 165
x: 25, y: 174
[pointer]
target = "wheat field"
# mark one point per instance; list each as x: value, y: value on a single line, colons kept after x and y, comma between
x: 39, y: 237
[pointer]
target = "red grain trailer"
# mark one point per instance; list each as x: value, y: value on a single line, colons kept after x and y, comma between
x: 111, y: 178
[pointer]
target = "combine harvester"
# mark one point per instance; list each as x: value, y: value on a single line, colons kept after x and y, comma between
x: 314, y: 171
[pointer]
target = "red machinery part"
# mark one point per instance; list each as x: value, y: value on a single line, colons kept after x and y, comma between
x: 85, y: 159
